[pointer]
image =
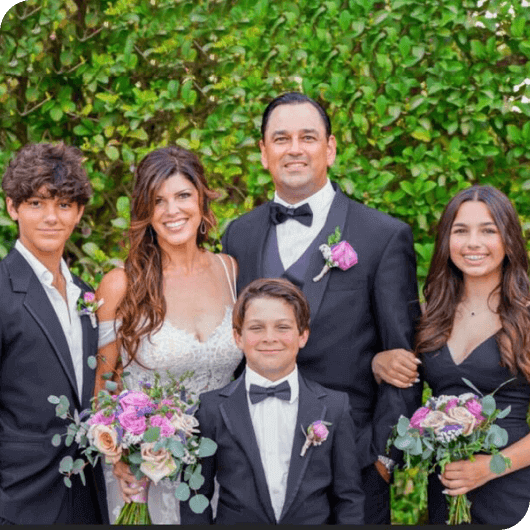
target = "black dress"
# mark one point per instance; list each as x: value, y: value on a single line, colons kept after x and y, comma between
x: 504, y: 500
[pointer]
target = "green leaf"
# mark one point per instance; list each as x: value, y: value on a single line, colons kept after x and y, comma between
x: 66, y: 464
x: 82, y: 476
x: 421, y: 134
x: 152, y: 434
x: 404, y: 442
x: 111, y: 386
x: 92, y: 362
x: 176, y: 448
x: 207, y: 447
x: 112, y: 152
x: 497, y: 464
x: 198, y: 503
x: 504, y: 412
x: 403, y: 426
x: 78, y: 465
x: 56, y: 440
x: 54, y: 400
x: 56, y: 113
x: 67, y: 482
x: 196, y: 481
x: 136, y: 458
x: 488, y: 405
x: 182, y: 493
x: 471, y: 385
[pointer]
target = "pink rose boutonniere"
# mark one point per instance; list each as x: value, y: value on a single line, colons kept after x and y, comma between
x: 337, y: 253
x: 88, y: 306
x: 317, y: 433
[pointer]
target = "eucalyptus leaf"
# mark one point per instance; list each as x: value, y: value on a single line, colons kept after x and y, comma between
x: 152, y: 434
x: 471, y: 385
x: 54, y: 400
x: 66, y: 464
x: 67, y: 482
x: 198, y: 503
x: 56, y: 440
x: 182, y: 492
x: 497, y: 464
x: 196, y: 481
x: 207, y: 447
x: 488, y: 405
x: 111, y: 386
x: 504, y: 412
x: 403, y: 425
x: 92, y: 362
x: 176, y: 448
x: 136, y: 458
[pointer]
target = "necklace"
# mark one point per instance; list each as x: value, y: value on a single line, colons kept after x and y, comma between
x: 474, y: 312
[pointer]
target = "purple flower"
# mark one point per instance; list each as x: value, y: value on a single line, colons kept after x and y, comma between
x: 320, y: 431
x: 144, y: 411
x: 418, y: 417
x: 475, y: 407
x: 89, y: 297
x: 100, y: 418
x: 343, y: 255
x: 130, y: 421
x: 135, y: 399
x: 451, y: 404
x: 166, y: 428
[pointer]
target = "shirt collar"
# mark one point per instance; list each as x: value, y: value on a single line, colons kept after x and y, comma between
x: 42, y: 272
x: 251, y: 377
x: 318, y: 201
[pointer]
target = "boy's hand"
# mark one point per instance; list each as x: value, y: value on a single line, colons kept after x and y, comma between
x: 383, y: 471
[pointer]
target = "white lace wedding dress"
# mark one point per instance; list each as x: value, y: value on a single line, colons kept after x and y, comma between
x: 213, y: 363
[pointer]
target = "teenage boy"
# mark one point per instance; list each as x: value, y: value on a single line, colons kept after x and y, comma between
x: 268, y: 468
x: 44, y: 342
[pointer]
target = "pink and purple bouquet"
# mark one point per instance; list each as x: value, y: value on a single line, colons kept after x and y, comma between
x: 153, y: 430
x: 447, y: 429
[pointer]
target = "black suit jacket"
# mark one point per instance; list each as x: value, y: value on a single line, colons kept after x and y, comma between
x: 322, y: 487
x: 35, y: 362
x: 371, y: 307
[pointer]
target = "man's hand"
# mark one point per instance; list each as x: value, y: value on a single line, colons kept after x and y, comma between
x: 125, y: 478
x: 383, y: 471
x: 396, y: 367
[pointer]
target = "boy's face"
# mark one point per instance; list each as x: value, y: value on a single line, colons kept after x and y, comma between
x: 45, y: 223
x: 270, y: 338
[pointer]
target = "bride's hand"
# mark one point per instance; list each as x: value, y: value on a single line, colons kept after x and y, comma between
x: 125, y: 478
x: 465, y: 475
x: 397, y: 367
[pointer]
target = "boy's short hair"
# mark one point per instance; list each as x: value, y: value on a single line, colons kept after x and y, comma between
x: 272, y: 288
x: 58, y: 167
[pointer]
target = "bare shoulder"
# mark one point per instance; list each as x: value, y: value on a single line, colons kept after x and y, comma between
x: 112, y: 289
x: 230, y: 262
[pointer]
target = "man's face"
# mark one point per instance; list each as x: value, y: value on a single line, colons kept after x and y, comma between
x: 45, y: 223
x: 296, y: 151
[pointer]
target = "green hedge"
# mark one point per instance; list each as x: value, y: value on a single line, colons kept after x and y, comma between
x: 421, y: 96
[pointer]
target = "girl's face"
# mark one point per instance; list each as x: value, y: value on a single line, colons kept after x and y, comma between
x: 475, y: 243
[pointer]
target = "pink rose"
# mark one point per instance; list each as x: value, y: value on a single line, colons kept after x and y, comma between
x: 418, y: 417
x: 135, y: 399
x: 166, y: 428
x: 100, y: 418
x: 106, y: 442
x: 462, y: 416
x: 89, y: 297
x: 343, y: 255
x: 451, y: 404
x: 156, y: 464
x: 131, y: 422
x: 320, y: 431
x: 475, y: 407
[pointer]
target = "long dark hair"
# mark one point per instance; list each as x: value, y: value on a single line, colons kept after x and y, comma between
x: 444, y: 285
x: 143, y: 308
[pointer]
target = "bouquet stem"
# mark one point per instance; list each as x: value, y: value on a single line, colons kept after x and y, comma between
x: 136, y: 512
x: 459, y: 509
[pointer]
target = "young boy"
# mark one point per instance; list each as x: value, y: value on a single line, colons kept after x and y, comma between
x: 44, y: 342
x: 270, y: 470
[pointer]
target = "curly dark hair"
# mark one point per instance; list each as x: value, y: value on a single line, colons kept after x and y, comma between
x: 57, y: 167
x: 444, y: 284
x: 143, y: 308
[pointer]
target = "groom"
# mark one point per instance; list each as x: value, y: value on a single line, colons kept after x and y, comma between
x: 44, y: 343
x: 355, y: 313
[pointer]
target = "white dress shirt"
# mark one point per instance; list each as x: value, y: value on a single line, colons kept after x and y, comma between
x: 274, y: 422
x: 293, y: 236
x: 66, y: 312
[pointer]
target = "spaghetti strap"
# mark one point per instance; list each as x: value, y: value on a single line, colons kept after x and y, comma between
x: 232, y: 285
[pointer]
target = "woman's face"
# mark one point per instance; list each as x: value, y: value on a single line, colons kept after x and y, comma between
x: 475, y: 243
x: 177, y: 214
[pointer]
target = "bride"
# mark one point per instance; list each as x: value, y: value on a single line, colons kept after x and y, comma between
x: 170, y: 308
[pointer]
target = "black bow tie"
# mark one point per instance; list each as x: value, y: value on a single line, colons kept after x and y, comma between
x: 258, y: 393
x: 280, y: 213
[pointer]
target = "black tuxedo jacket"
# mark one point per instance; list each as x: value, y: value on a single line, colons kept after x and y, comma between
x: 35, y: 362
x: 373, y: 306
x: 322, y: 487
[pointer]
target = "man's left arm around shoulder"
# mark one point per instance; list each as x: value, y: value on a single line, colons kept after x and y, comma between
x: 397, y: 310
x: 347, y: 495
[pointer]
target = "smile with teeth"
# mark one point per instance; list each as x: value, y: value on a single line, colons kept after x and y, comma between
x: 175, y: 224
x: 475, y: 257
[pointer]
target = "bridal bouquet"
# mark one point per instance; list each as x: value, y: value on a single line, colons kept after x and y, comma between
x: 153, y: 430
x: 451, y: 428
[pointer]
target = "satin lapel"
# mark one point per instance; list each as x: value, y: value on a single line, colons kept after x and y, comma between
x: 89, y: 337
x: 310, y: 409
x: 236, y: 416
x: 40, y: 308
x: 337, y: 216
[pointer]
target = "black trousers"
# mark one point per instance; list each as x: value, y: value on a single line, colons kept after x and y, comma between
x: 377, y: 497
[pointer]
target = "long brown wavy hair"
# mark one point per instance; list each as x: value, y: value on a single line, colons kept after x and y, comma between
x: 143, y: 308
x: 444, y: 285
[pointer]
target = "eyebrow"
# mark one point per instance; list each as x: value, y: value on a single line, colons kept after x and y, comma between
x: 176, y: 193
x: 303, y: 131
x: 258, y: 321
x: 487, y: 223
